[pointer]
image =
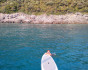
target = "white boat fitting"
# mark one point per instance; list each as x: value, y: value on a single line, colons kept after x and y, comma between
x: 47, y: 62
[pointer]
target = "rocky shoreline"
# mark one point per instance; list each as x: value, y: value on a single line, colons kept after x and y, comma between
x: 71, y: 18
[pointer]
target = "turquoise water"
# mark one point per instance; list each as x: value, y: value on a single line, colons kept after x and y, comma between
x: 22, y: 45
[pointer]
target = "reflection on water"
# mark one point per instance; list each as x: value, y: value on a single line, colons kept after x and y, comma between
x: 22, y: 45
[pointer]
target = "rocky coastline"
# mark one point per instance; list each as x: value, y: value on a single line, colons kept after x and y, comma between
x: 71, y: 18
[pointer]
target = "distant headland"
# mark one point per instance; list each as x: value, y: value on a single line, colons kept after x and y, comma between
x: 33, y: 11
x: 71, y: 18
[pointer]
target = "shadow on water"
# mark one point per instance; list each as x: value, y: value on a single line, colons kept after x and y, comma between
x: 22, y: 45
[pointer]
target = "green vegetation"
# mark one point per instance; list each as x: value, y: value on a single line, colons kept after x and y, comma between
x: 44, y: 6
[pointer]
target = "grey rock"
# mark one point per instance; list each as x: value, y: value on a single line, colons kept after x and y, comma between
x: 44, y: 19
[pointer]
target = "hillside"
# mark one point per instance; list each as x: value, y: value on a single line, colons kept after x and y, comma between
x: 44, y: 6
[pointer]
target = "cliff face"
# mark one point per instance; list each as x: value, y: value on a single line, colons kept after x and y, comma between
x: 44, y: 19
x: 43, y: 6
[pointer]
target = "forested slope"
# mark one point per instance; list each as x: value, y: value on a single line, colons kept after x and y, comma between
x: 43, y: 6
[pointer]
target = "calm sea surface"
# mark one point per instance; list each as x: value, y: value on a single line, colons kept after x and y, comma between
x: 22, y: 45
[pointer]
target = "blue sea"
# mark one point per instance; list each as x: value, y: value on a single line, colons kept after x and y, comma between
x: 22, y: 45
